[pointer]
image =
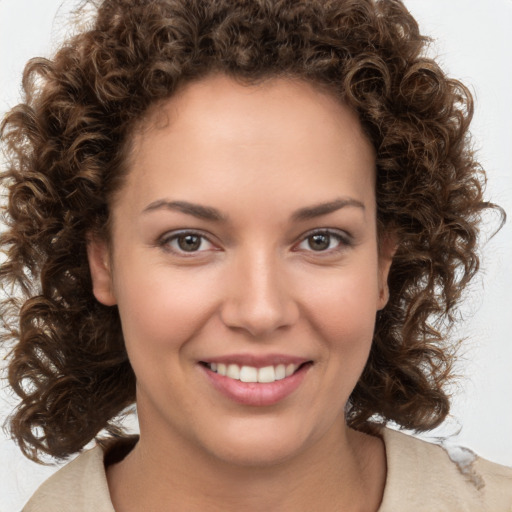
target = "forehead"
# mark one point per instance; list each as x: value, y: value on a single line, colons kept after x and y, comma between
x: 218, y: 135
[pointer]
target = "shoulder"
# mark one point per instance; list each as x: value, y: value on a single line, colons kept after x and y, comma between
x: 79, y: 486
x: 424, y: 476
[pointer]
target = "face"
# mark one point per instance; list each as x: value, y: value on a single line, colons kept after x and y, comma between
x: 244, y: 263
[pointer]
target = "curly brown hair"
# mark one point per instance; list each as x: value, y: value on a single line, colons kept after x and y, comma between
x: 66, y: 148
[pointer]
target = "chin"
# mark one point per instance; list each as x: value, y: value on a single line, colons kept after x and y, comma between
x: 260, y: 445
x: 257, y: 454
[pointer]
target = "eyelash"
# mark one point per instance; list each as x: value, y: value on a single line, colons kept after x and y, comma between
x: 344, y: 241
x: 167, y: 239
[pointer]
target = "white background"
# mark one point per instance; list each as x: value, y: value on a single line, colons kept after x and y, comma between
x: 474, y: 44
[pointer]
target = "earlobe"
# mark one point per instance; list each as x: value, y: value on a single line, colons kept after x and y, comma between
x: 101, y: 272
x: 387, y: 250
x: 383, y: 295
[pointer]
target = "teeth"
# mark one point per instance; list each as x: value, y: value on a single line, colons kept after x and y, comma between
x: 252, y: 374
x: 233, y: 371
x: 280, y: 371
x: 248, y: 374
x: 266, y: 374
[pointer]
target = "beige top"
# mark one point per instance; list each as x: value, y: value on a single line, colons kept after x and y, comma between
x: 421, y: 477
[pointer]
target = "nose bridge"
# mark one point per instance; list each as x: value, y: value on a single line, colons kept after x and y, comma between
x: 257, y: 297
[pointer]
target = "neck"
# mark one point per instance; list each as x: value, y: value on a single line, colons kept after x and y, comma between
x: 345, y: 470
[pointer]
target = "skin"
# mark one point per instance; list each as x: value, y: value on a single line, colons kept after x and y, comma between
x: 255, y: 285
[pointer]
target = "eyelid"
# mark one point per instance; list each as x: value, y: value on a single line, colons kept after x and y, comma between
x: 169, y: 236
x: 345, y: 239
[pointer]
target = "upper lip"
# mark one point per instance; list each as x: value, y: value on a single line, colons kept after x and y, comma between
x: 256, y: 360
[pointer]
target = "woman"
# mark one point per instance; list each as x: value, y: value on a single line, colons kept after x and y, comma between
x: 256, y: 220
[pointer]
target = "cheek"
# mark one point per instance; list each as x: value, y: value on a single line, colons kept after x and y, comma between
x: 342, y: 309
x: 163, y: 309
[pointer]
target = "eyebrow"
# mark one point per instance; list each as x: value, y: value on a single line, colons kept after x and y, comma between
x: 310, y: 212
x: 212, y: 214
x: 196, y: 210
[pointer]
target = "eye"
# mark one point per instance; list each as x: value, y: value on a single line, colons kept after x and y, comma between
x: 324, y: 241
x: 186, y: 242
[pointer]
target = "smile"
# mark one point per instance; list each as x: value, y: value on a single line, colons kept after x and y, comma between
x: 266, y: 374
x: 256, y: 381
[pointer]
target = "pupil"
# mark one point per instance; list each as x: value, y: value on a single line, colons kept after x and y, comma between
x: 319, y: 242
x: 189, y: 242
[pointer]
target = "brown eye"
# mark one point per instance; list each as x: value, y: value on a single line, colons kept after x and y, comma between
x: 319, y: 241
x: 189, y: 243
x: 328, y: 241
x: 186, y: 242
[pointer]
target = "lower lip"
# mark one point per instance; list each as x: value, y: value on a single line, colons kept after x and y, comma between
x: 254, y: 393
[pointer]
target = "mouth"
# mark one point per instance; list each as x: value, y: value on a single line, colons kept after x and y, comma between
x: 255, y: 381
x: 253, y: 374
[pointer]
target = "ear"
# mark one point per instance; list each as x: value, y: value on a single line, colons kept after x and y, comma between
x: 387, y: 248
x: 101, y: 270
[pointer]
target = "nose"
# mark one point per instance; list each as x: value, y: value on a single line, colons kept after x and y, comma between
x: 259, y: 299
